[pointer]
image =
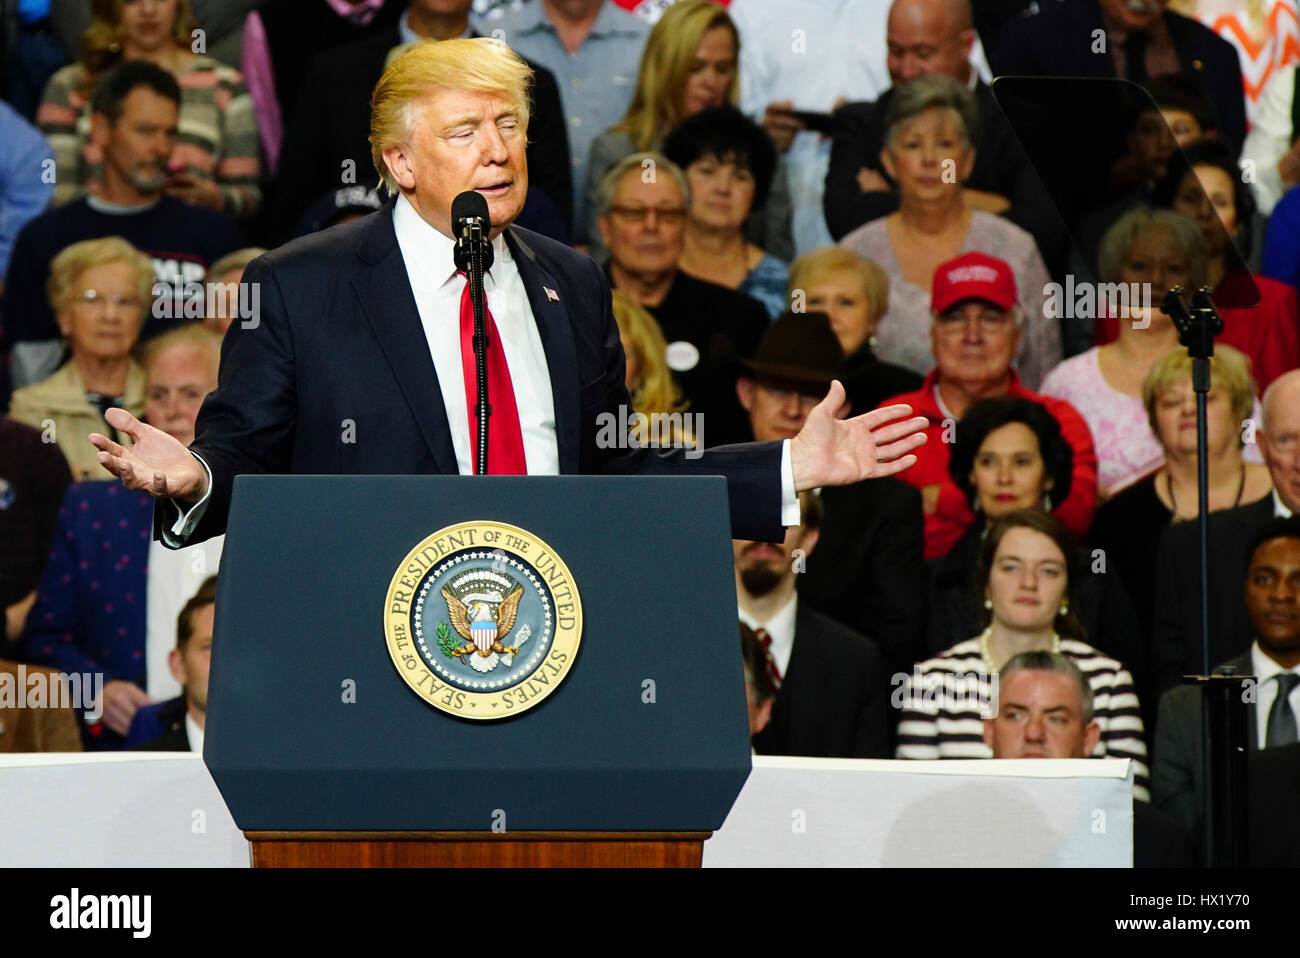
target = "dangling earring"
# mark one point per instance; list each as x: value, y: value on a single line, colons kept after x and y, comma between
x: 1065, y: 606
x: 988, y: 603
x: 1047, y: 502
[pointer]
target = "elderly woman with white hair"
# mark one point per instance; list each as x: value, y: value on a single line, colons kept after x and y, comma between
x: 99, y: 290
x: 1146, y: 250
x: 929, y: 132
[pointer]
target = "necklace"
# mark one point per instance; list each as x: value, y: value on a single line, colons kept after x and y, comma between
x: 987, y: 656
x: 1169, y: 487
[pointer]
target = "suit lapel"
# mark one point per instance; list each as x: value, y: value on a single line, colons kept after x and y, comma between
x: 388, y: 302
x: 556, y: 328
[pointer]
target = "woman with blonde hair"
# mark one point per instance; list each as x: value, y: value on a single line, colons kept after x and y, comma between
x: 1128, y: 527
x: 216, y: 163
x: 689, y: 64
x: 100, y: 290
x: 854, y: 292
x: 649, y: 380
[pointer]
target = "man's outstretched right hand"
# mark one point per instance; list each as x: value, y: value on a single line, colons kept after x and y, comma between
x: 156, y: 462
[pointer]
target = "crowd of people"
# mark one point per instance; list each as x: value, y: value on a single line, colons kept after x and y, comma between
x: 780, y: 195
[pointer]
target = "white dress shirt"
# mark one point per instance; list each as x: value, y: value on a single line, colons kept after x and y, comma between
x: 194, y: 732
x: 437, y: 287
x: 781, y: 628
x: 1280, y: 510
x: 174, y: 576
x: 430, y: 269
x: 1266, y: 670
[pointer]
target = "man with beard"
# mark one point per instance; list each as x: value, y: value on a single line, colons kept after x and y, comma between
x: 1273, y: 603
x: 830, y: 681
x: 133, y: 126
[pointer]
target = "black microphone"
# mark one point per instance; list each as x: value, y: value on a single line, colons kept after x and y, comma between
x: 471, y: 226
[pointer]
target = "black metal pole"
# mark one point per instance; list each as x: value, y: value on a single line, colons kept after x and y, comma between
x: 482, y: 408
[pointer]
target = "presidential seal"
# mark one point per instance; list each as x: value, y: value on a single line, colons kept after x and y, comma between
x: 483, y: 620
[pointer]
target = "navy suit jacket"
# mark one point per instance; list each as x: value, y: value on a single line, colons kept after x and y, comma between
x: 338, y: 346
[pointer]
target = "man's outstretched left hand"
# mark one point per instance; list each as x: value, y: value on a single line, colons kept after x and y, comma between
x: 835, y: 452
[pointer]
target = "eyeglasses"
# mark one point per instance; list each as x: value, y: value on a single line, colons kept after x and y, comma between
x: 989, y: 322
x: 783, y: 394
x: 93, y: 297
x: 637, y: 214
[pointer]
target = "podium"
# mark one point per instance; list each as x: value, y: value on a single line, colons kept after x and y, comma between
x: 344, y: 719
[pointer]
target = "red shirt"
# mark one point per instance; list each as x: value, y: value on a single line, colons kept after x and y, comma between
x: 1269, y: 333
x: 953, y: 514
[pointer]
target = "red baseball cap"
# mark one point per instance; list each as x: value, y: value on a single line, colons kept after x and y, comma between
x: 973, y: 276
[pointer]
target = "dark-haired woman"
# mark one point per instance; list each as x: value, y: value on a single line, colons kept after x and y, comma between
x: 1023, y: 575
x: 1010, y: 455
x: 729, y: 161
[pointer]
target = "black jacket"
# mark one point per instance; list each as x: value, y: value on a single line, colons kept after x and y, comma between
x: 1176, y: 640
x: 867, y: 571
x: 834, y: 700
x: 1058, y: 42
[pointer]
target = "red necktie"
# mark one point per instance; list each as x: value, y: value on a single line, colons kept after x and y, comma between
x: 765, y: 641
x: 505, y: 438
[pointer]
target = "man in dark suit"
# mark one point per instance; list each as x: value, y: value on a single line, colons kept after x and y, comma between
x: 330, y: 125
x: 1176, y: 642
x: 355, y: 362
x: 867, y: 572
x: 1066, y: 40
x: 1271, y: 665
x: 831, y: 695
x: 1045, y: 711
x: 859, y: 190
x: 178, y: 723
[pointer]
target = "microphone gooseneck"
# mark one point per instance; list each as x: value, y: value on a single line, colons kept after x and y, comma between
x: 471, y: 225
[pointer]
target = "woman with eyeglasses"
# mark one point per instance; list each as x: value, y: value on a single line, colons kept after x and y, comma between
x: 99, y: 290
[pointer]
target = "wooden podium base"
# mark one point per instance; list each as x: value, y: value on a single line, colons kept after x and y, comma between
x: 477, y: 849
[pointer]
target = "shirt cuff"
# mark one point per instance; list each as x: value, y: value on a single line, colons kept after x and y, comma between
x: 789, y: 498
x: 174, y: 536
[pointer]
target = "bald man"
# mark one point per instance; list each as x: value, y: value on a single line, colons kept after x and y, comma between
x: 934, y: 38
x: 1176, y: 640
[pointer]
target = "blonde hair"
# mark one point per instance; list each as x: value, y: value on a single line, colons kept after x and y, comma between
x: 101, y: 43
x: 1229, y: 371
x: 193, y: 335
x: 819, y: 263
x: 656, y: 392
x: 238, y: 260
x: 74, y: 260
x: 665, y: 65
x: 1178, y: 229
x: 479, y: 65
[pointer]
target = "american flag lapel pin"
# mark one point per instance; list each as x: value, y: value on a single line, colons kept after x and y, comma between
x: 551, y: 294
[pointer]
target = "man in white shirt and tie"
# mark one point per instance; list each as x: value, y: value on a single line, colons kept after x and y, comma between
x: 355, y: 363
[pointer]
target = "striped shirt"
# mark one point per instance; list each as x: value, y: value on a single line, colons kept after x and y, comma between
x: 942, y: 718
x: 217, y: 133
